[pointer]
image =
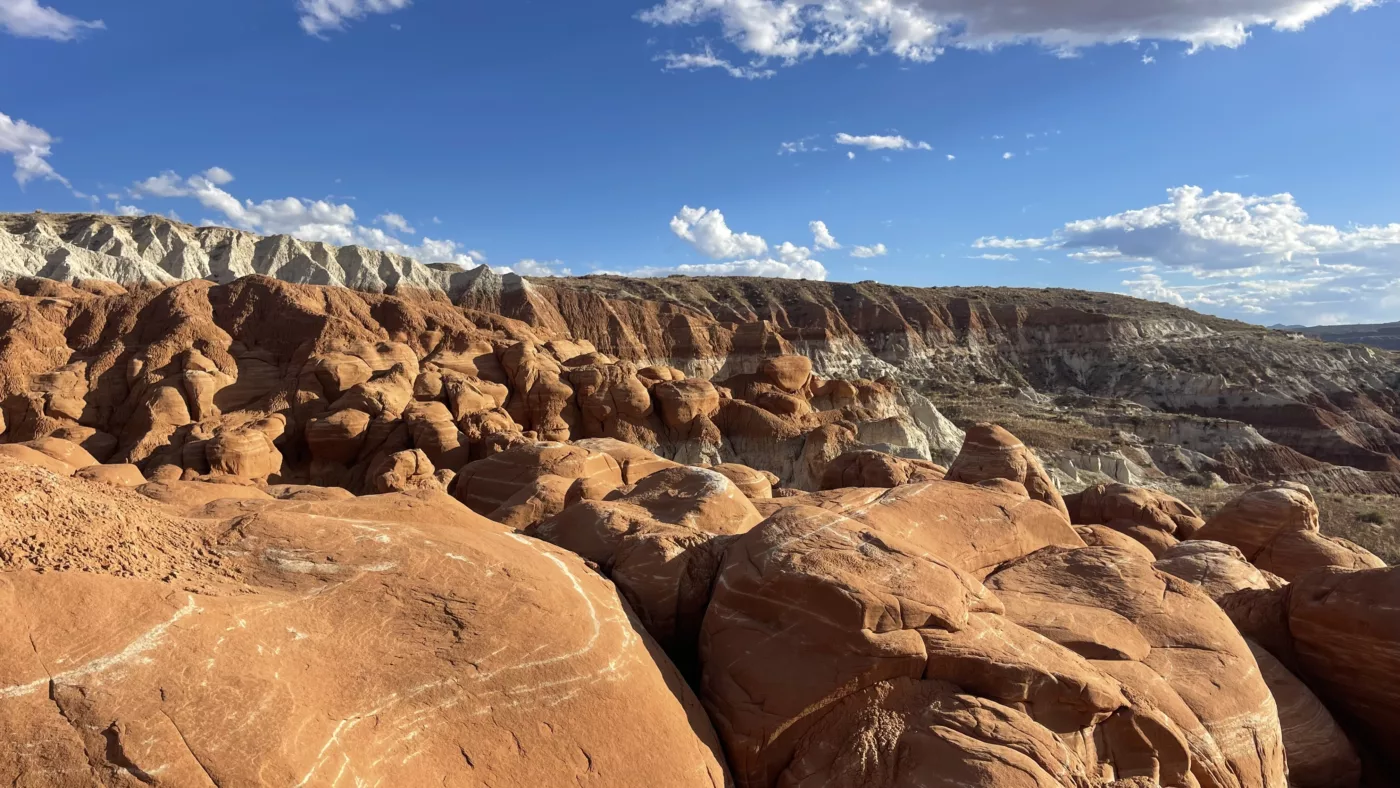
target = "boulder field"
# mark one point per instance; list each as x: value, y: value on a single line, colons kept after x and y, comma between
x: 591, y: 613
x: 272, y: 534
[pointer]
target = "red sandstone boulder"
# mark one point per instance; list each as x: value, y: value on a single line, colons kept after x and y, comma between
x: 867, y: 468
x: 753, y: 483
x: 1216, y: 568
x: 325, y: 643
x: 1177, y: 655
x: 789, y: 373
x: 1345, y: 629
x: 113, y: 475
x: 1121, y: 506
x: 990, y: 452
x: 403, y: 471
x: 489, y: 484
x: 1276, y: 527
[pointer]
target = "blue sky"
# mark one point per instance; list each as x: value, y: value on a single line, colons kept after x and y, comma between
x: 1243, y: 163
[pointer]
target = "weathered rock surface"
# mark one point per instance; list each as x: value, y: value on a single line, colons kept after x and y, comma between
x: 398, y: 640
x: 1276, y: 527
x: 991, y: 452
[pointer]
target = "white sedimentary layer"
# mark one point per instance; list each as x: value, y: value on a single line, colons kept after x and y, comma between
x: 132, y: 251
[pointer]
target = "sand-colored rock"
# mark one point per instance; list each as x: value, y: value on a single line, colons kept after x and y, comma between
x: 1319, y: 753
x: 1276, y: 527
x: 867, y: 468
x: 1216, y: 568
x: 1117, y: 505
x: 114, y: 475
x: 403, y: 471
x: 1170, y: 645
x: 990, y: 452
x: 751, y: 482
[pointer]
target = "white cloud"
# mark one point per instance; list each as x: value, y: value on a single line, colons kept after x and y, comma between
x: 768, y: 267
x: 850, y: 154
x: 1000, y: 258
x: 30, y: 146
x: 878, y: 142
x: 320, y: 16
x: 991, y: 242
x: 878, y: 250
x: 1148, y: 60
x: 308, y: 220
x: 823, y: 237
x: 28, y: 19
x: 530, y: 267
x: 707, y: 231
x: 218, y: 176
x: 951, y: 157
x: 1008, y: 155
x: 695, y: 61
x: 1244, y: 255
x: 127, y: 210
x: 396, y: 223
x: 800, y: 146
x: 791, y: 31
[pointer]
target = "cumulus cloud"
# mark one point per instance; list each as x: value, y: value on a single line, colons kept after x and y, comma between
x: 30, y: 147
x: 823, y: 239
x: 28, y: 19
x: 878, y: 250
x: 529, y: 267
x: 1242, y: 255
x: 317, y: 17
x: 308, y: 220
x: 395, y: 222
x: 791, y: 31
x: 696, y: 61
x: 1008, y: 155
x: 707, y: 231
x: 768, y: 267
x: 218, y: 176
x: 879, y: 142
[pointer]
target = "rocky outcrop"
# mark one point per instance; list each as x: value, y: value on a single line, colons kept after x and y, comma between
x: 1276, y: 527
x: 314, y: 643
x: 991, y: 452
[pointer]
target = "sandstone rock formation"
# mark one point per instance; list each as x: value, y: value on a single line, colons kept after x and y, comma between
x: 1153, y: 518
x: 991, y: 452
x: 316, y: 643
x: 1276, y: 527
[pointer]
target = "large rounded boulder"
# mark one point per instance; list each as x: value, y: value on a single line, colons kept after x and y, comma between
x: 393, y: 640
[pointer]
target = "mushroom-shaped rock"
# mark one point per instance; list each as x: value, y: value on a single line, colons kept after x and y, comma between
x: 403, y: 471
x: 117, y: 676
x: 246, y: 453
x: 1121, y: 504
x: 1276, y: 527
x: 753, y: 483
x: 867, y: 468
x: 990, y: 452
x: 485, y: 485
x: 789, y: 373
